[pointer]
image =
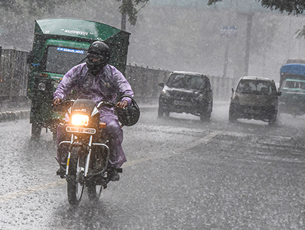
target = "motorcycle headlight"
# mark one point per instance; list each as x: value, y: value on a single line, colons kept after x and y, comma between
x: 80, y: 120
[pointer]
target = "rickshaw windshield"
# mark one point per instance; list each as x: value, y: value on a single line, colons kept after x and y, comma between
x: 61, y: 60
x: 186, y: 82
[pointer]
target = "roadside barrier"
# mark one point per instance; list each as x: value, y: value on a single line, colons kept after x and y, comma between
x: 14, y: 115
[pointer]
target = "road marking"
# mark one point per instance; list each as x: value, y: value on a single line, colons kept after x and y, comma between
x: 134, y: 162
x: 17, y: 194
x: 203, y: 140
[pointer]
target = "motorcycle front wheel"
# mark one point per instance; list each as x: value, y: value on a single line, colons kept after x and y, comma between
x: 75, y: 178
x: 94, y: 185
x: 94, y: 191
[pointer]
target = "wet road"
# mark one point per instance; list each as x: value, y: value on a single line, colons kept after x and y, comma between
x: 181, y: 174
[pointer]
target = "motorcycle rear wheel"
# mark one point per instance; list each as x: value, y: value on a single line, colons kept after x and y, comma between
x: 75, y: 181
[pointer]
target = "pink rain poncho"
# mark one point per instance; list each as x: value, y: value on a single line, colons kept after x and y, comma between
x: 105, y: 86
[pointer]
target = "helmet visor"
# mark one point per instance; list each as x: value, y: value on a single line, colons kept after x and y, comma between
x: 95, y: 58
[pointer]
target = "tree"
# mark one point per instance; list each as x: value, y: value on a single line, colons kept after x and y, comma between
x: 128, y: 8
x: 290, y: 6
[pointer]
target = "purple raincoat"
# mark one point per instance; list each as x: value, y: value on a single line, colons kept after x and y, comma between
x: 103, y: 87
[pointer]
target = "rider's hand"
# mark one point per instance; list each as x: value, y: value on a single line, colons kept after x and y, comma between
x: 56, y: 101
x: 122, y: 104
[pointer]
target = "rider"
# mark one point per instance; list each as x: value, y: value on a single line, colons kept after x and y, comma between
x: 99, y: 81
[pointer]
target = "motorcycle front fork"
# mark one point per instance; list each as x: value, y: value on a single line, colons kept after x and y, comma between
x: 88, y: 158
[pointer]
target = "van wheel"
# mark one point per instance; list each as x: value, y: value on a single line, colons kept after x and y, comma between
x: 210, y: 108
x: 160, y: 112
x: 205, y: 116
x: 272, y: 120
x: 232, y: 114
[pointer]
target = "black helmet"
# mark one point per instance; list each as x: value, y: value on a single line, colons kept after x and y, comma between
x: 98, y: 56
x: 130, y: 114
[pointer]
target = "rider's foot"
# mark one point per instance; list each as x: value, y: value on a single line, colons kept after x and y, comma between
x: 61, y: 172
x: 114, y: 175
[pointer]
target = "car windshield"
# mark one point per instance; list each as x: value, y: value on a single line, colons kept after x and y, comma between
x: 294, y: 85
x: 61, y: 60
x: 183, y: 81
x: 254, y: 87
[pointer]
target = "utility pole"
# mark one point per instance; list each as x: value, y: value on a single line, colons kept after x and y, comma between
x: 228, y: 32
x: 123, y: 16
x: 248, y: 41
x: 226, y: 58
x: 123, y: 22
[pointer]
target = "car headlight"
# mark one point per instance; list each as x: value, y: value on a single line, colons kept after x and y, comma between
x: 42, y: 86
x: 165, y: 93
x: 80, y: 120
x: 235, y: 98
x: 198, y: 96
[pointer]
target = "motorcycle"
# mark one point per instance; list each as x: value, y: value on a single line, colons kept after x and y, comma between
x: 88, y: 151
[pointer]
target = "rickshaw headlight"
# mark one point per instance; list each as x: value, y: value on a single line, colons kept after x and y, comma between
x: 42, y: 86
x: 80, y: 120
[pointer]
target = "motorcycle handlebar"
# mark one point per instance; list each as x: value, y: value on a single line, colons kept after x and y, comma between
x: 106, y: 104
x: 70, y: 102
x: 62, y: 106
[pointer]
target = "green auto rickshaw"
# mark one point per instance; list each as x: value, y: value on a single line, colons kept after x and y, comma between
x: 60, y: 44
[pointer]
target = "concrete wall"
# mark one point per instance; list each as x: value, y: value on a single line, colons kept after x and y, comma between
x: 13, y: 74
x: 144, y: 80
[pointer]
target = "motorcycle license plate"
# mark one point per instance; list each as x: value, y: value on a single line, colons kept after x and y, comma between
x: 80, y: 130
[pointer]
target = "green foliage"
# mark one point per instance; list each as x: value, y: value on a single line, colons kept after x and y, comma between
x: 290, y: 6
